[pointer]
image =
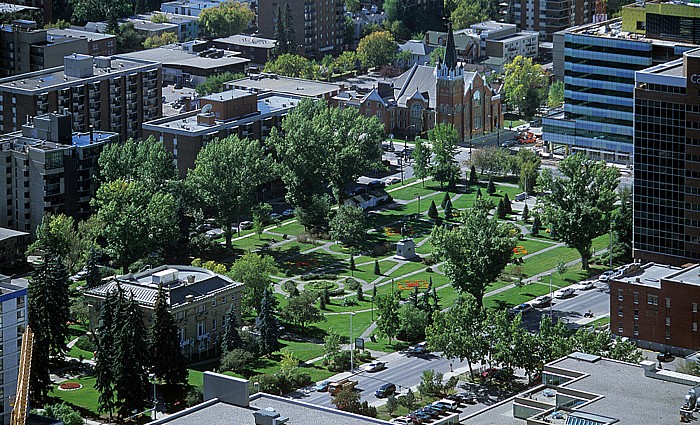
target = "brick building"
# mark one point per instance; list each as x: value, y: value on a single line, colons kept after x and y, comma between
x: 198, y: 298
x: 101, y: 93
x: 259, y: 50
x: 657, y: 306
x: 550, y: 16
x: 98, y: 44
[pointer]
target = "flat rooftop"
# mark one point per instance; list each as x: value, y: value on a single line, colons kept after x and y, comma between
x: 613, y: 29
x: 55, y: 78
x: 228, y: 95
x: 75, y: 33
x: 218, y: 413
x: 286, y: 85
x: 6, y: 233
x: 11, y: 8
x: 249, y: 41
x: 173, y: 55
x: 9, y: 286
x: 690, y: 275
x: 649, y: 275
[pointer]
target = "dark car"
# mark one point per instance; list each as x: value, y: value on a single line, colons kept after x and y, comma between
x: 376, y: 184
x: 464, y: 397
x: 359, y: 190
x: 385, y: 390
x: 664, y: 357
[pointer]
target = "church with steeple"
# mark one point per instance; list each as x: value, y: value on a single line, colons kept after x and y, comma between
x: 424, y: 96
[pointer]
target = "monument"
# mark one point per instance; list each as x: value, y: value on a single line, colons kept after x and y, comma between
x: 406, y: 247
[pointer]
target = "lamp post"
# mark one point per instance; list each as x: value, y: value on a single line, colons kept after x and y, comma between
x: 352, y: 346
x: 550, y: 297
x: 419, y: 210
x: 155, y: 398
x: 401, y: 166
x: 610, y: 252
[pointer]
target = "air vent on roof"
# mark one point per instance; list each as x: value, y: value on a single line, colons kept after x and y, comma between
x: 190, y: 278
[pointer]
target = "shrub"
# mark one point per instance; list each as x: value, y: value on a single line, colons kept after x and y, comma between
x: 349, y: 301
x: 194, y: 397
x: 352, y: 284
x: 289, y: 286
x: 237, y: 360
x: 318, y: 276
x: 85, y: 343
x: 282, y: 383
x: 202, y: 246
x: 320, y: 285
x: 430, y: 260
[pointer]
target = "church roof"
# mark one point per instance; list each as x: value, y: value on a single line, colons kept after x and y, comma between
x: 450, y: 51
x: 373, y: 96
x: 420, y: 78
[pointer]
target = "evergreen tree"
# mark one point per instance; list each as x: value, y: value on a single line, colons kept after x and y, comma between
x: 501, y: 210
x: 280, y: 35
x: 473, y: 178
x: 294, y: 292
x: 414, y: 296
x: 448, y: 209
x: 268, y: 326
x: 104, y: 355
x: 374, y: 291
x: 93, y: 277
x: 432, y: 211
x: 536, y: 225
x: 445, y: 199
x: 360, y: 294
x: 48, y: 303
x: 436, y: 300
x: 326, y: 295
x: 491, y: 189
x: 231, y: 339
x: 507, y: 204
x: 289, y: 30
x: 526, y: 213
x: 168, y: 363
x: 479, y: 195
x: 352, y: 262
x: 322, y: 302
x: 130, y: 360
x: 377, y: 270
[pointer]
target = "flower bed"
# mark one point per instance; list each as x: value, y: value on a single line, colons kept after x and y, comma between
x: 70, y: 386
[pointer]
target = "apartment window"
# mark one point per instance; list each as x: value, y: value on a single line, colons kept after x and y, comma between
x: 619, y: 294
x: 619, y: 311
x: 201, y: 308
x: 636, y: 314
x: 233, y: 297
x: 223, y: 300
x: 213, y: 302
x: 20, y: 303
x: 652, y: 300
x: 636, y: 297
x: 20, y: 316
x: 201, y: 328
x: 620, y: 329
x: 636, y: 330
x: 695, y: 326
x: 668, y: 334
x: 668, y: 321
x: 695, y: 307
x: 213, y: 324
x: 181, y: 334
x: 668, y: 302
x: 180, y: 315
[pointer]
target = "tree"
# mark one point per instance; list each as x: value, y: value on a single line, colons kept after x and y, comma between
x: 57, y: 235
x: 581, y: 204
x: 128, y: 39
x: 437, y: 55
x: 302, y: 311
x: 237, y: 360
x: 432, y: 384
x: 147, y: 162
x: 104, y: 353
x: 135, y: 222
x: 226, y: 173
x: 267, y: 326
x: 473, y: 179
x: 444, y: 139
x: 526, y: 213
x: 290, y: 36
x: 168, y: 363
x: 230, y: 338
x: 391, y: 405
x: 388, y: 321
x: 280, y: 35
x: 348, y: 225
x: 293, y: 65
x: 555, y: 98
x: 525, y: 85
x: 479, y: 195
x: 507, y: 204
x: 412, y: 322
x: 501, y: 210
x: 421, y: 160
x: 408, y: 401
x: 352, y: 262
x: 332, y: 343
x: 377, y: 270
x: 445, y: 199
x: 63, y: 413
x: 48, y: 303
x: 228, y: 18
x: 215, y: 83
x: 448, y: 209
x: 155, y: 41
x: 360, y: 294
x: 475, y: 253
x: 458, y: 331
x: 536, y: 225
x: 466, y: 13
x: 432, y: 211
x: 491, y: 188
x: 91, y: 10
x: 346, y: 399
x: 622, y: 224
x: 377, y: 49
x: 347, y: 61
x: 254, y: 271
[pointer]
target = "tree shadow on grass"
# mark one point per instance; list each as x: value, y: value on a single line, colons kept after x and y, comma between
x: 292, y: 261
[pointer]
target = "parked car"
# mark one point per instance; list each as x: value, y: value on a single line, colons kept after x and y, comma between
x: 451, y: 405
x: 375, y: 366
x: 359, y: 190
x: 419, y: 348
x: 521, y: 196
x: 275, y: 216
x: 542, y: 301
x: 664, y: 357
x: 78, y: 276
x: 585, y: 286
x: 322, y: 386
x: 605, y: 276
x: 521, y: 308
x: 465, y: 397
x: 376, y: 184
x: 564, y: 292
x: 392, y: 180
x: 288, y: 212
x: 385, y: 390
x: 214, y: 233
x: 245, y: 225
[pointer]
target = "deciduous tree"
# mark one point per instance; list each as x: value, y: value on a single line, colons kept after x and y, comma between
x: 525, y: 85
x: 444, y: 139
x: 215, y: 83
x: 254, y: 271
x: 348, y: 225
x: 421, y: 160
x: 228, y: 18
x: 555, y: 97
x: 388, y: 321
x: 377, y: 49
x: 302, y: 311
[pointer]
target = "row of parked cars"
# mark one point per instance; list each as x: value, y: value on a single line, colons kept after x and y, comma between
x: 545, y: 300
x: 433, y: 412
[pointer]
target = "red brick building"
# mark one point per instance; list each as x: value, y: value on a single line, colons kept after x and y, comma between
x: 657, y: 306
x: 424, y: 96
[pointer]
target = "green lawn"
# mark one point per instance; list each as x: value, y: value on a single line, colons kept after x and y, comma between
x: 289, y: 228
x: 85, y: 397
x: 195, y: 378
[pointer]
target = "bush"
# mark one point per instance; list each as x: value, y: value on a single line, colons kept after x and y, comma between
x: 194, y: 397
x: 318, y: 276
x: 237, y: 360
x: 289, y: 286
x: 430, y: 260
x: 281, y: 383
x: 351, y: 284
x: 349, y: 302
x: 380, y: 249
x: 86, y: 343
x: 320, y: 285
x: 202, y: 246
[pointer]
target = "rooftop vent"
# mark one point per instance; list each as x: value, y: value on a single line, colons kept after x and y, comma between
x: 190, y: 278
x: 165, y: 276
x: 269, y: 416
x: 189, y: 298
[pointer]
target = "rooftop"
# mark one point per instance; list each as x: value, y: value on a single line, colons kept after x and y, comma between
x: 247, y: 40
x: 180, y: 281
x: 11, y: 8
x: 286, y: 85
x: 612, y: 29
x: 6, y: 233
x: 173, y: 55
x: 172, y: 17
x: 75, y: 33
x: 12, y: 287
x: 55, y: 78
x: 228, y: 95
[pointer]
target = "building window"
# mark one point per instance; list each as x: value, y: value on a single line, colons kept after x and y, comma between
x: 20, y: 303
x: 619, y: 310
x: 668, y: 333
x: 619, y: 328
x: 668, y: 302
x: 652, y: 300
x: 636, y: 314
x: 213, y: 324
x: 213, y: 302
x: 223, y: 300
x: 200, y: 308
x: 695, y: 307
x: 636, y: 330
x: 695, y: 326
x: 619, y: 294
x: 181, y: 334
x: 668, y: 321
x: 636, y: 297
x: 180, y: 315
x: 201, y: 328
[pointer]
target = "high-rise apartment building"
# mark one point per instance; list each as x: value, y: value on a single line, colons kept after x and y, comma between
x: 102, y: 93
x: 599, y: 65
x: 550, y: 16
x: 48, y: 169
x: 13, y: 319
x: 318, y: 25
x: 667, y: 161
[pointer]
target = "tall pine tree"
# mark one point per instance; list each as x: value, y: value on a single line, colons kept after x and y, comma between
x: 104, y: 355
x: 289, y: 34
x: 280, y: 34
x: 167, y: 361
x: 231, y: 339
x: 48, y: 303
x: 268, y: 324
x: 93, y: 277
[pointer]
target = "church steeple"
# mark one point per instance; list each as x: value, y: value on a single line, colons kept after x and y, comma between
x: 450, y: 51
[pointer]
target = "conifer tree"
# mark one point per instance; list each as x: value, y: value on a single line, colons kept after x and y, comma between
x: 322, y: 302
x: 432, y: 211
x: 448, y: 209
x: 501, y: 210
x: 352, y: 262
x: 326, y: 295
x: 93, y: 277
x: 130, y: 360
x: 231, y: 339
x: 491, y: 188
x: 268, y: 325
x: 377, y: 270
x: 168, y: 363
x: 526, y: 213
x: 289, y: 34
x: 280, y: 34
x: 479, y: 195
x: 445, y: 199
x: 536, y: 225
x: 48, y: 302
x: 473, y: 179
x: 507, y: 204
x: 360, y: 294
x: 104, y: 355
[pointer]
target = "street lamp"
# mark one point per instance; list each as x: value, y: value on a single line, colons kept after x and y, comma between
x: 401, y: 166
x: 419, y: 210
x: 610, y: 252
x: 352, y: 346
x: 155, y: 398
x: 551, y: 297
